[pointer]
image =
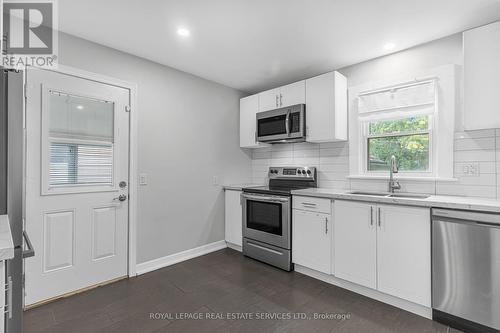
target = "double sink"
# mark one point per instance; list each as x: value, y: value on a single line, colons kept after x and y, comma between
x: 391, y: 195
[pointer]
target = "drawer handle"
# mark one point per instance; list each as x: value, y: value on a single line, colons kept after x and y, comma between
x: 264, y: 248
x: 309, y: 204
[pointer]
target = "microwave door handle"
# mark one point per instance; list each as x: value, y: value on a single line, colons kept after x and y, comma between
x: 287, y: 123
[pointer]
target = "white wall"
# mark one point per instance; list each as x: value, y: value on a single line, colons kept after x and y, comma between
x: 188, y: 133
x: 332, y: 158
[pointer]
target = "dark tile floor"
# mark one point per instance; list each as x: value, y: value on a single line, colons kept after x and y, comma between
x: 212, y: 286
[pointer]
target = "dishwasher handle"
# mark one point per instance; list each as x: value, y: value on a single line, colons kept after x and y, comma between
x: 487, y: 219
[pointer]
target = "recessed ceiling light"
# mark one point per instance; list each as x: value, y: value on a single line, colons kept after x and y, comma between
x: 183, y: 32
x: 79, y: 107
x: 389, y: 46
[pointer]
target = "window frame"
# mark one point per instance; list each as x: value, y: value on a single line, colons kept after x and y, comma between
x: 46, y: 139
x: 365, y: 136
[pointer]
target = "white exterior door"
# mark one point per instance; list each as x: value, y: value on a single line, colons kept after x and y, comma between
x: 77, y: 167
x: 355, y: 243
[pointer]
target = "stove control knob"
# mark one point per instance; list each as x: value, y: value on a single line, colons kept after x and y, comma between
x: 308, y: 172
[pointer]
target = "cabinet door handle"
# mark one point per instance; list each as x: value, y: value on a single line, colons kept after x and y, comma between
x: 326, y: 225
x: 276, y: 100
x: 281, y: 100
x: 379, y: 218
x: 371, y: 215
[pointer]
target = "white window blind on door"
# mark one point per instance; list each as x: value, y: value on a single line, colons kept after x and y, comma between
x: 81, y: 140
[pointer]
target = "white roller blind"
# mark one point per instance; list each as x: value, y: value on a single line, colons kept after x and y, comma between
x: 406, y: 98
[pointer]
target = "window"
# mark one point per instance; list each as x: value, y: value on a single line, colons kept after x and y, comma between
x: 80, y: 142
x: 411, y: 117
x: 398, y: 121
x: 407, y: 139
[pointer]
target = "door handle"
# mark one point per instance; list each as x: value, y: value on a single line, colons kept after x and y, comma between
x: 276, y: 100
x: 371, y: 215
x: 121, y: 197
x: 30, y: 252
x: 281, y: 100
x: 379, y: 218
x: 326, y: 225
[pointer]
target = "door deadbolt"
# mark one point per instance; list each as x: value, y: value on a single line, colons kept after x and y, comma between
x: 123, y: 184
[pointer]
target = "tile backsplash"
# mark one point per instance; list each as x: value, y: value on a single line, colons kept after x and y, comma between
x: 476, y: 166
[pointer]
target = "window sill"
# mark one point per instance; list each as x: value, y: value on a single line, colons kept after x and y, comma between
x: 406, y: 177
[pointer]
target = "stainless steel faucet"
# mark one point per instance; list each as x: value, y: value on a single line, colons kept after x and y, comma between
x: 393, y: 168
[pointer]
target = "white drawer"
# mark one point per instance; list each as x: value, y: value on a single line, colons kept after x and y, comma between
x: 312, y: 204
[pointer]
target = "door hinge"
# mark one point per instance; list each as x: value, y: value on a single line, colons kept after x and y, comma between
x: 127, y: 108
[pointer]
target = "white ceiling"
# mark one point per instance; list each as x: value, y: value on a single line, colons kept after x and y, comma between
x: 253, y: 45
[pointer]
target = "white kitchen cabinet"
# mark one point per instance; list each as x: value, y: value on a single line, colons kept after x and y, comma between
x: 326, y: 108
x: 404, y: 253
x: 269, y: 100
x: 384, y: 247
x: 355, y: 243
x: 481, y: 73
x: 249, y: 106
x: 312, y: 240
x: 291, y: 94
x: 233, y: 217
x: 2, y: 296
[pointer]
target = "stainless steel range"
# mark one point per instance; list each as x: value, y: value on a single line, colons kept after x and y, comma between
x: 267, y: 215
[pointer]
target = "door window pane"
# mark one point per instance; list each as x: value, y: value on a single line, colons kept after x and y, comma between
x: 81, y: 140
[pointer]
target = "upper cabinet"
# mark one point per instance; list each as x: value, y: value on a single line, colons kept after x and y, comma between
x: 281, y: 97
x: 325, y: 97
x: 481, y: 73
x: 249, y: 106
x: 326, y: 108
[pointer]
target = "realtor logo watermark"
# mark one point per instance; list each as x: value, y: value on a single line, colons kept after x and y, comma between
x: 29, y: 34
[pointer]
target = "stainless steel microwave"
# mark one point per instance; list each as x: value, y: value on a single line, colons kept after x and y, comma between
x: 282, y: 125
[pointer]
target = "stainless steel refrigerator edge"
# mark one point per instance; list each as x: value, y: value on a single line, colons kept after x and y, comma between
x: 13, y: 111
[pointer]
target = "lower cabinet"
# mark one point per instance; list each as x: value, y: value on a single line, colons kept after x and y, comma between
x: 384, y: 247
x: 312, y: 240
x: 355, y: 243
x: 233, y: 217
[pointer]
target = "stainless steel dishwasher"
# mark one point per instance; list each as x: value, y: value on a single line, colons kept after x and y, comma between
x: 466, y: 269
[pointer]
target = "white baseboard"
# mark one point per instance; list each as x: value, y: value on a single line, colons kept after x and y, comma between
x: 417, y: 309
x: 234, y: 246
x: 175, y: 258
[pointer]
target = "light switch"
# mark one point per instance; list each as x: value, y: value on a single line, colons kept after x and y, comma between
x: 143, y: 179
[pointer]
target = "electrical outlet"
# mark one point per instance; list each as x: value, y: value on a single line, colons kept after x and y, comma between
x: 215, y: 180
x: 470, y: 169
x: 143, y: 179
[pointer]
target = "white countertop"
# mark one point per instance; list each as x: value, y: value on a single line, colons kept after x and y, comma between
x: 6, y: 244
x: 438, y: 201
x: 239, y: 187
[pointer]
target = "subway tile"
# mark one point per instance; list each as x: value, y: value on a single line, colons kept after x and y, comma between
x: 306, y: 161
x: 335, y: 184
x: 475, y: 134
x: 333, y: 160
x: 475, y: 144
x: 482, y: 179
x: 334, y: 152
x: 337, y: 144
x: 475, y: 156
x: 334, y: 168
x: 449, y: 188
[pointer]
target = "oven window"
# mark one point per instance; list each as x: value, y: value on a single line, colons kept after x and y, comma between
x: 265, y: 216
x: 272, y: 126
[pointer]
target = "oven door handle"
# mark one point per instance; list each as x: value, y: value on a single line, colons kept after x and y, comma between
x: 264, y: 198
